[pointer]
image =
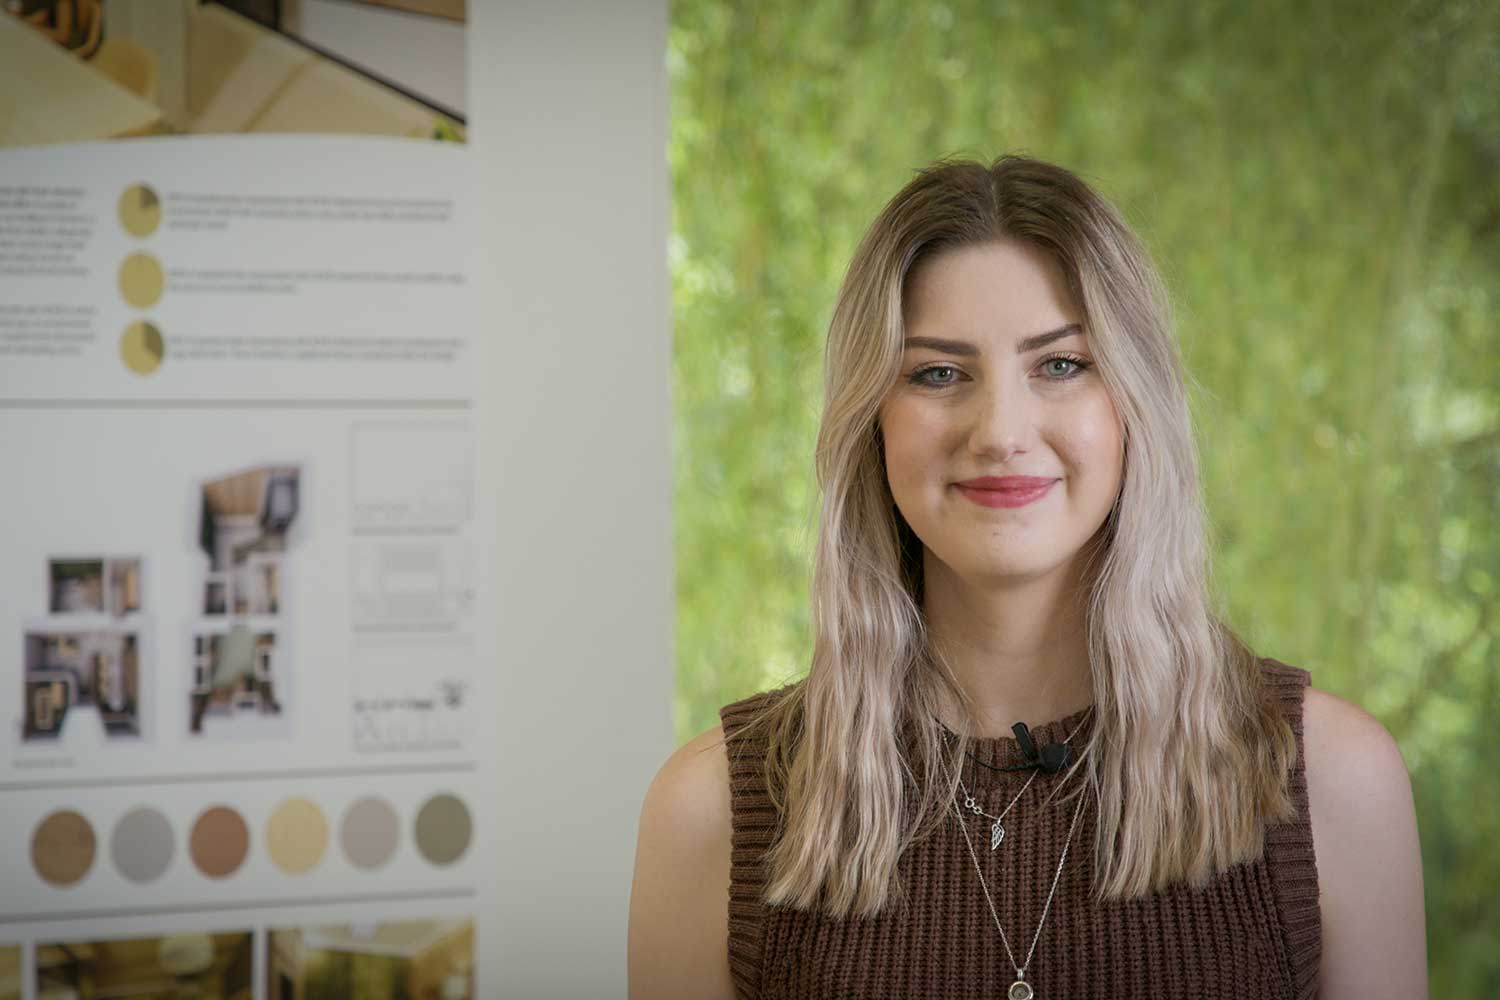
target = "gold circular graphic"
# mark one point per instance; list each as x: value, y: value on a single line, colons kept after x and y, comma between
x: 140, y: 210
x: 141, y: 280
x: 142, y: 347
x: 296, y: 836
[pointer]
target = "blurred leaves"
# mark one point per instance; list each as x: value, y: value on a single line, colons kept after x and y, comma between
x: 1320, y: 184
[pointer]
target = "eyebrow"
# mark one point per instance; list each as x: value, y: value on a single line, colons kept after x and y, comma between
x: 964, y: 349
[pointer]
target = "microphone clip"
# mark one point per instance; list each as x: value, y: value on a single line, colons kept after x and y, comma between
x: 1052, y: 758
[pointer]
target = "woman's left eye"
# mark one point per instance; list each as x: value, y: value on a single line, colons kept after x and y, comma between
x: 1079, y: 365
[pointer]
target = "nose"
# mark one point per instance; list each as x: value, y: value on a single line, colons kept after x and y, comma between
x: 1002, y: 421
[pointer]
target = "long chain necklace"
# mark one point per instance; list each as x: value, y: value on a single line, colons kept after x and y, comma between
x: 1020, y: 989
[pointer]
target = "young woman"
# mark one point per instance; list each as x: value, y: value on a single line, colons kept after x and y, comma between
x: 1011, y: 533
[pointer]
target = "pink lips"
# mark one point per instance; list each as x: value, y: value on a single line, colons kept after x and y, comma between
x: 1005, y: 491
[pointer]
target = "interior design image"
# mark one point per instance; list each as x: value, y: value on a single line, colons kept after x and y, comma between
x: 175, y: 967
x: 393, y: 960
x: 110, y: 69
x: 233, y: 672
x: 84, y: 657
x: 10, y: 972
x: 242, y: 528
x: 244, y: 532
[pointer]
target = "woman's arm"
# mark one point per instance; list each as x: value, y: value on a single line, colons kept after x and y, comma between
x: 678, y: 946
x: 1369, y: 861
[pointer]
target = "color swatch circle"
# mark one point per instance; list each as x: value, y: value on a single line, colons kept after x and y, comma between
x: 219, y: 842
x: 296, y: 836
x: 142, y: 347
x: 140, y: 210
x: 443, y: 829
x: 142, y: 844
x: 62, y: 848
x: 369, y: 832
x: 141, y: 280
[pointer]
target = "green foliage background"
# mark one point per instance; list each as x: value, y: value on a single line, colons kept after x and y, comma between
x: 1320, y: 183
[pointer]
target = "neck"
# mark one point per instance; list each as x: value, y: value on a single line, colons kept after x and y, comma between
x: 1019, y: 651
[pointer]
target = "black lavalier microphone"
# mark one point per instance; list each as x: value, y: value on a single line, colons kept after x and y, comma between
x: 1052, y: 758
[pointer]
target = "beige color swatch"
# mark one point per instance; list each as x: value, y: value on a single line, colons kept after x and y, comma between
x: 370, y: 832
x: 296, y: 836
x: 62, y: 847
x: 142, y: 280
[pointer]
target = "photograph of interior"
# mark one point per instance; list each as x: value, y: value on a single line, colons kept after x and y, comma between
x: 244, y: 520
x: 242, y: 526
x: 83, y: 658
x: 395, y: 960
x: 196, y: 965
x: 80, y: 70
x: 10, y: 972
x: 234, y: 672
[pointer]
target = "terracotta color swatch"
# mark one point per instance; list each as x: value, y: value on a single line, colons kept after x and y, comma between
x: 62, y: 847
x: 219, y: 842
x: 296, y: 836
x: 443, y: 829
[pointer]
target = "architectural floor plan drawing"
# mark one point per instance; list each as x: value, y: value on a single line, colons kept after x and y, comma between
x: 83, y: 659
x: 238, y: 662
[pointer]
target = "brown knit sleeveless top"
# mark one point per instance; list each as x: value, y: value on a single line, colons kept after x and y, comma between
x: 1252, y: 932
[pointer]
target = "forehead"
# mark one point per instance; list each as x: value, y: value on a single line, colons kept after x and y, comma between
x: 990, y: 293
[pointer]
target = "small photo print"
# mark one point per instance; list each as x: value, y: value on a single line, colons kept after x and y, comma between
x: 93, y: 672
x: 390, y: 960
x: 83, y: 665
x: 243, y: 521
x: 94, y: 586
x: 157, y: 968
x: 234, y: 675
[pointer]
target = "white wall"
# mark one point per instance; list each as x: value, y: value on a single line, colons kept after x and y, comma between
x: 568, y: 116
x: 422, y: 54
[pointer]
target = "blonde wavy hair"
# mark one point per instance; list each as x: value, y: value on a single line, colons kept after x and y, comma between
x: 1189, y: 753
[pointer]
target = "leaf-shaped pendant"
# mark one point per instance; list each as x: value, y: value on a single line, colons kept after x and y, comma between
x: 997, y: 834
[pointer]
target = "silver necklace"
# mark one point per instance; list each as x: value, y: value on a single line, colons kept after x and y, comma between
x: 997, y: 830
x: 1020, y: 989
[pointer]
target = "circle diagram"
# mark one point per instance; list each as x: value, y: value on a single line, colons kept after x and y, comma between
x: 140, y: 210
x: 142, y: 280
x: 142, y: 347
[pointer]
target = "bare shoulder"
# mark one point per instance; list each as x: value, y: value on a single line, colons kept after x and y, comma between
x: 1368, y: 854
x: 679, y: 900
x: 694, y: 780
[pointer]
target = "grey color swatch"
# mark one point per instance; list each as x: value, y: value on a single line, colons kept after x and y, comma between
x: 369, y: 832
x: 142, y: 844
x: 443, y: 829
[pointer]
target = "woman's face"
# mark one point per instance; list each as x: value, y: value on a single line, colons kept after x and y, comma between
x: 997, y: 380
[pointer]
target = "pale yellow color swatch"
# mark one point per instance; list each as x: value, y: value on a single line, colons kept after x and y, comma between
x: 297, y: 836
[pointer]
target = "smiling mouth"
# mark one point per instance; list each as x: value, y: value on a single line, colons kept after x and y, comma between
x: 1018, y: 496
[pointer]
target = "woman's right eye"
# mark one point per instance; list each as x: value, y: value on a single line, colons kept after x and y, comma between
x: 921, y: 376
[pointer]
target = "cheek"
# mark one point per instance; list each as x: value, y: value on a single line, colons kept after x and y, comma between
x: 909, y: 447
x: 1094, y: 440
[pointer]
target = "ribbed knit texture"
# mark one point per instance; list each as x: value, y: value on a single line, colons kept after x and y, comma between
x: 1251, y: 932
